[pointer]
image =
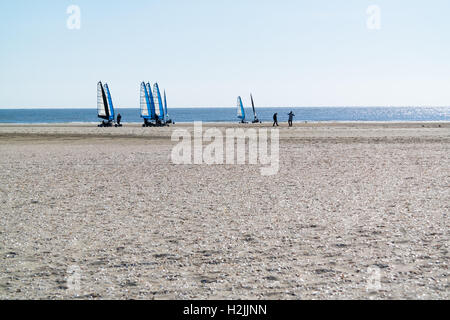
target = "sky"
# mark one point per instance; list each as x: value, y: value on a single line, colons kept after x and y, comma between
x: 207, y: 52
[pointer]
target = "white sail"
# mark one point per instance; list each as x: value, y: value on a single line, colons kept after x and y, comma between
x: 149, y: 88
x: 144, y: 101
x: 159, y: 108
x: 101, y: 101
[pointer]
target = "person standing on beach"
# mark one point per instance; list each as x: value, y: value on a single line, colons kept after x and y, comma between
x: 275, y: 120
x: 119, y: 118
x: 291, y: 117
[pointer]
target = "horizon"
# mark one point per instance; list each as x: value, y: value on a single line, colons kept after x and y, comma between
x: 361, y: 53
x: 227, y: 107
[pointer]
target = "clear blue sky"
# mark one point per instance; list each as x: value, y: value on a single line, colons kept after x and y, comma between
x: 207, y: 52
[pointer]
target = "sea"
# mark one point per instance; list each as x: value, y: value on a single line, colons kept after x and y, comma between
x: 310, y: 114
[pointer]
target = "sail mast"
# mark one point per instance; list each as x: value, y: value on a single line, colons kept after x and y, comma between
x: 253, y: 106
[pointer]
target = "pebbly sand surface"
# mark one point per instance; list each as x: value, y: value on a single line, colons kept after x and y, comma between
x: 357, y: 211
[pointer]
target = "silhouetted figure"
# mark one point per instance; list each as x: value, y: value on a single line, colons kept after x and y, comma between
x: 119, y: 118
x: 275, y: 120
x: 291, y: 117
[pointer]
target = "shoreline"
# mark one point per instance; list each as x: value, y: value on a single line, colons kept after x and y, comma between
x: 297, y: 124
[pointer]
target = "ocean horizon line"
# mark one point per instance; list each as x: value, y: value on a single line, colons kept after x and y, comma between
x: 226, y: 107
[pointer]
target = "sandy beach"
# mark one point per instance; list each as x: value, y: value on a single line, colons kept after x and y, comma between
x: 352, y: 203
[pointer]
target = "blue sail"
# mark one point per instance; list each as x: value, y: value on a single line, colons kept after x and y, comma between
x: 165, y: 107
x: 152, y: 101
x: 240, y: 109
x: 110, y: 104
x: 157, y: 97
